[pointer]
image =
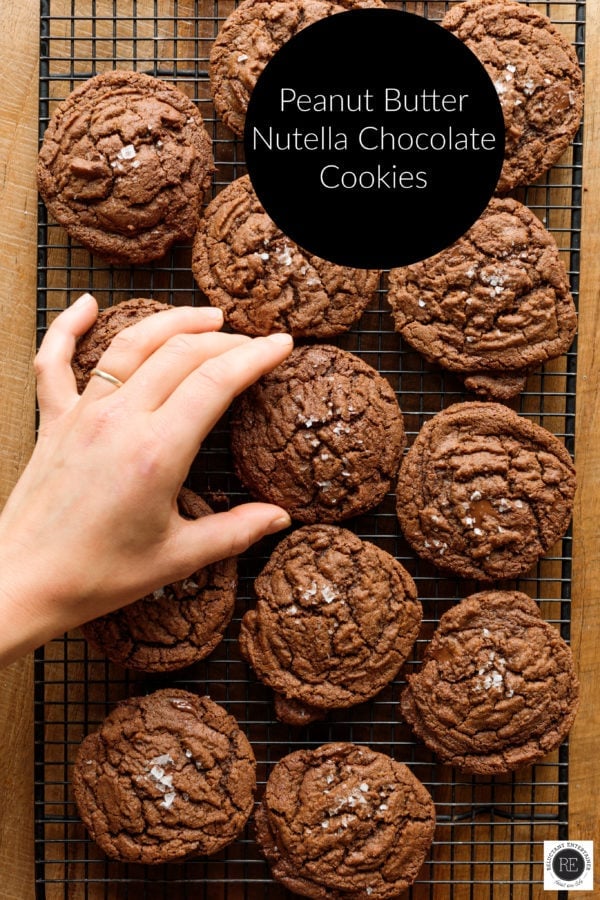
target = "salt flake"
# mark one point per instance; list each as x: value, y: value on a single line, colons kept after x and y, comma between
x: 285, y: 257
x: 163, y: 760
x: 327, y: 594
x: 168, y: 799
x: 127, y: 152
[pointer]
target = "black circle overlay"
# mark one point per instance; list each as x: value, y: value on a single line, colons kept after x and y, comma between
x: 383, y: 225
x: 568, y: 865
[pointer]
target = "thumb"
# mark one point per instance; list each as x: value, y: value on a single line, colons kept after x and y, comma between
x: 200, y: 542
x: 56, y: 386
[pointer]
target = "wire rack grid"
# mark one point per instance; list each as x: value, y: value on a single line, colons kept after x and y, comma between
x: 490, y: 830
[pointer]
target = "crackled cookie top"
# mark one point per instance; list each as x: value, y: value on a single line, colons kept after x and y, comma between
x: 497, y: 689
x: 336, y: 618
x: 496, y: 302
x: 343, y: 821
x: 251, y: 35
x: 165, y: 776
x: 124, y: 166
x: 179, y: 623
x: 537, y: 77
x: 483, y: 493
x: 263, y: 281
x: 110, y: 321
x: 321, y: 435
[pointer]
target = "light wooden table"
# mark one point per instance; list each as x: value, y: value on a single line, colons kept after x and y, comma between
x: 18, y: 147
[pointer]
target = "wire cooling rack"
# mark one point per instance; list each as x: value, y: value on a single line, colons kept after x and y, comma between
x: 489, y: 833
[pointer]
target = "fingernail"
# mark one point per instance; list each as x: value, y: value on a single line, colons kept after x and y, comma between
x: 281, y: 338
x: 81, y: 301
x: 281, y: 521
x: 213, y: 312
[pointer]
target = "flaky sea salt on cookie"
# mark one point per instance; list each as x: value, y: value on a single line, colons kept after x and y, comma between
x: 536, y: 74
x: 483, y: 493
x: 497, y: 689
x: 344, y: 822
x: 490, y: 307
x: 165, y: 776
x: 125, y: 165
x: 321, y: 435
x: 335, y: 620
x: 250, y: 36
x: 263, y: 281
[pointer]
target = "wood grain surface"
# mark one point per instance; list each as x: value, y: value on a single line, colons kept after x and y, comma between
x: 19, y: 26
x: 19, y: 30
x: 584, y: 793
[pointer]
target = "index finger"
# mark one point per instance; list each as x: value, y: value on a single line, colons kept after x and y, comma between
x: 132, y: 346
x: 201, y: 399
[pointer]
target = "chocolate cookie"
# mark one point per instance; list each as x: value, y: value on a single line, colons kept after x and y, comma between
x: 537, y: 77
x: 110, y: 321
x: 165, y: 776
x: 483, y: 493
x: 124, y: 166
x: 250, y: 36
x: 295, y: 712
x: 321, y: 435
x: 345, y: 823
x: 493, y: 305
x: 497, y: 689
x: 263, y: 281
x: 178, y: 624
x: 335, y: 620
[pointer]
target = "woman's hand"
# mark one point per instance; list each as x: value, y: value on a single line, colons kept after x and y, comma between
x: 93, y: 522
